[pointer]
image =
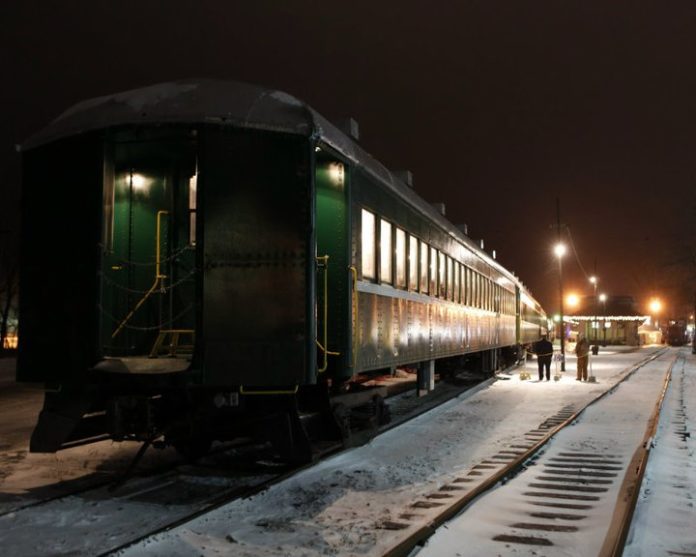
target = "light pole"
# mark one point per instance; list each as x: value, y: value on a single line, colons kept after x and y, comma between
x: 593, y: 281
x: 560, y: 250
x: 655, y: 308
x: 603, y: 299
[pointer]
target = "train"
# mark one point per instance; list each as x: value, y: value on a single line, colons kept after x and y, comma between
x: 204, y: 259
x: 677, y: 334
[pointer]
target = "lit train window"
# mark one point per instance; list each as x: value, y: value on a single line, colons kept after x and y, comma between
x: 457, y: 273
x: 442, y: 276
x: 400, y: 251
x: 477, y: 291
x: 466, y: 286
x: 368, y: 244
x: 450, y: 279
x: 385, y: 251
x: 412, y: 263
x: 433, y: 272
x: 424, y: 267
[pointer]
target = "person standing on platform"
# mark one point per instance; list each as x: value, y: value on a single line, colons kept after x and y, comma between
x: 544, y: 352
x: 582, y: 351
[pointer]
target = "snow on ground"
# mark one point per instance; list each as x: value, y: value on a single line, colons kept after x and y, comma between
x: 334, y: 507
x: 665, y: 517
x: 28, y: 477
x: 613, y: 427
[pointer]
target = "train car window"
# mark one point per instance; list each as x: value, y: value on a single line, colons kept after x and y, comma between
x: 442, y: 275
x: 109, y: 201
x: 385, y: 252
x: 466, y: 286
x: 469, y: 287
x: 450, y: 279
x: 368, y: 244
x: 423, y: 267
x: 457, y: 273
x: 400, y: 251
x: 433, y: 272
x: 193, y: 187
x: 412, y: 263
x: 477, y: 293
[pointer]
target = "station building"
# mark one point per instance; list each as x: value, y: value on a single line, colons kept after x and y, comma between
x: 615, y: 320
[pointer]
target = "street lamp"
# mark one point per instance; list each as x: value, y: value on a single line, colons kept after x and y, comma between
x: 593, y: 281
x: 559, y: 250
x: 603, y: 299
x: 573, y: 300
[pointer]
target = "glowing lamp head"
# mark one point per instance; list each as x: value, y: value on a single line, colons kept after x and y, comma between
x: 337, y: 173
x: 593, y: 280
x: 655, y: 306
x: 573, y: 300
x: 139, y: 182
x: 602, y: 297
x: 559, y: 250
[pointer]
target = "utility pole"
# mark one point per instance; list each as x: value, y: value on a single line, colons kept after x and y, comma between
x: 560, y: 282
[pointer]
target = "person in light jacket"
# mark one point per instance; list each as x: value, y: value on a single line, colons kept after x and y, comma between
x: 582, y: 351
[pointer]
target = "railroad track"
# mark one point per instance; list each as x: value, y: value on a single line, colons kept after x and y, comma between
x: 102, y: 516
x: 561, y: 497
x: 315, y: 523
x: 555, y: 507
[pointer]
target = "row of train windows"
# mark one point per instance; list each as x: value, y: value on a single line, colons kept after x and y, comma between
x: 406, y: 262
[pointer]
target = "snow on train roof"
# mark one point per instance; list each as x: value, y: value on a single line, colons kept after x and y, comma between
x: 238, y: 104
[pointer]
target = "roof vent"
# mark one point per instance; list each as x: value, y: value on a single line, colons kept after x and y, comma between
x: 481, y: 243
x: 464, y: 228
x: 439, y: 207
x: 405, y: 176
x: 350, y: 127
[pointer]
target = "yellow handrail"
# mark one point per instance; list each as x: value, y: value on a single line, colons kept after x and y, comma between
x: 158, y: 275
x: 354, y: 358
x: 324, y: 260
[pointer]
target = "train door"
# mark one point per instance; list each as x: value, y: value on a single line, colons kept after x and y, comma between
x: 258, y: 260
x: 148, y: 262
x: 334, y: 278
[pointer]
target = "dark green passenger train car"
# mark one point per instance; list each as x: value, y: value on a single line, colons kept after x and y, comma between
x: 204, y: 259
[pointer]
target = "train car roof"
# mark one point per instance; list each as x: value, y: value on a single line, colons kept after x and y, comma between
x: 225, y: 102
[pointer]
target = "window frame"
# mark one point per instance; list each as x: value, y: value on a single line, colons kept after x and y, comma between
x: 363, y: 258
x: 413, y: 263
x: 400, y: 268
x: 386, y: 252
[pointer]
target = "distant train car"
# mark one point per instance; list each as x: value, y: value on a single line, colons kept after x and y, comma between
x: 676, y: 334
x: 206, y: 259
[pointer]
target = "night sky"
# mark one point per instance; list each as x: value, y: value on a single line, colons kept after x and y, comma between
x: 497, y: 107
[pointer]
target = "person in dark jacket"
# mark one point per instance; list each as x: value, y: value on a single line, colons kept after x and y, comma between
x: 544, y: 352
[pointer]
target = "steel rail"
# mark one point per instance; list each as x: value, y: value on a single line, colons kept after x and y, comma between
x: 418, y: 537
x: 627, y: 499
